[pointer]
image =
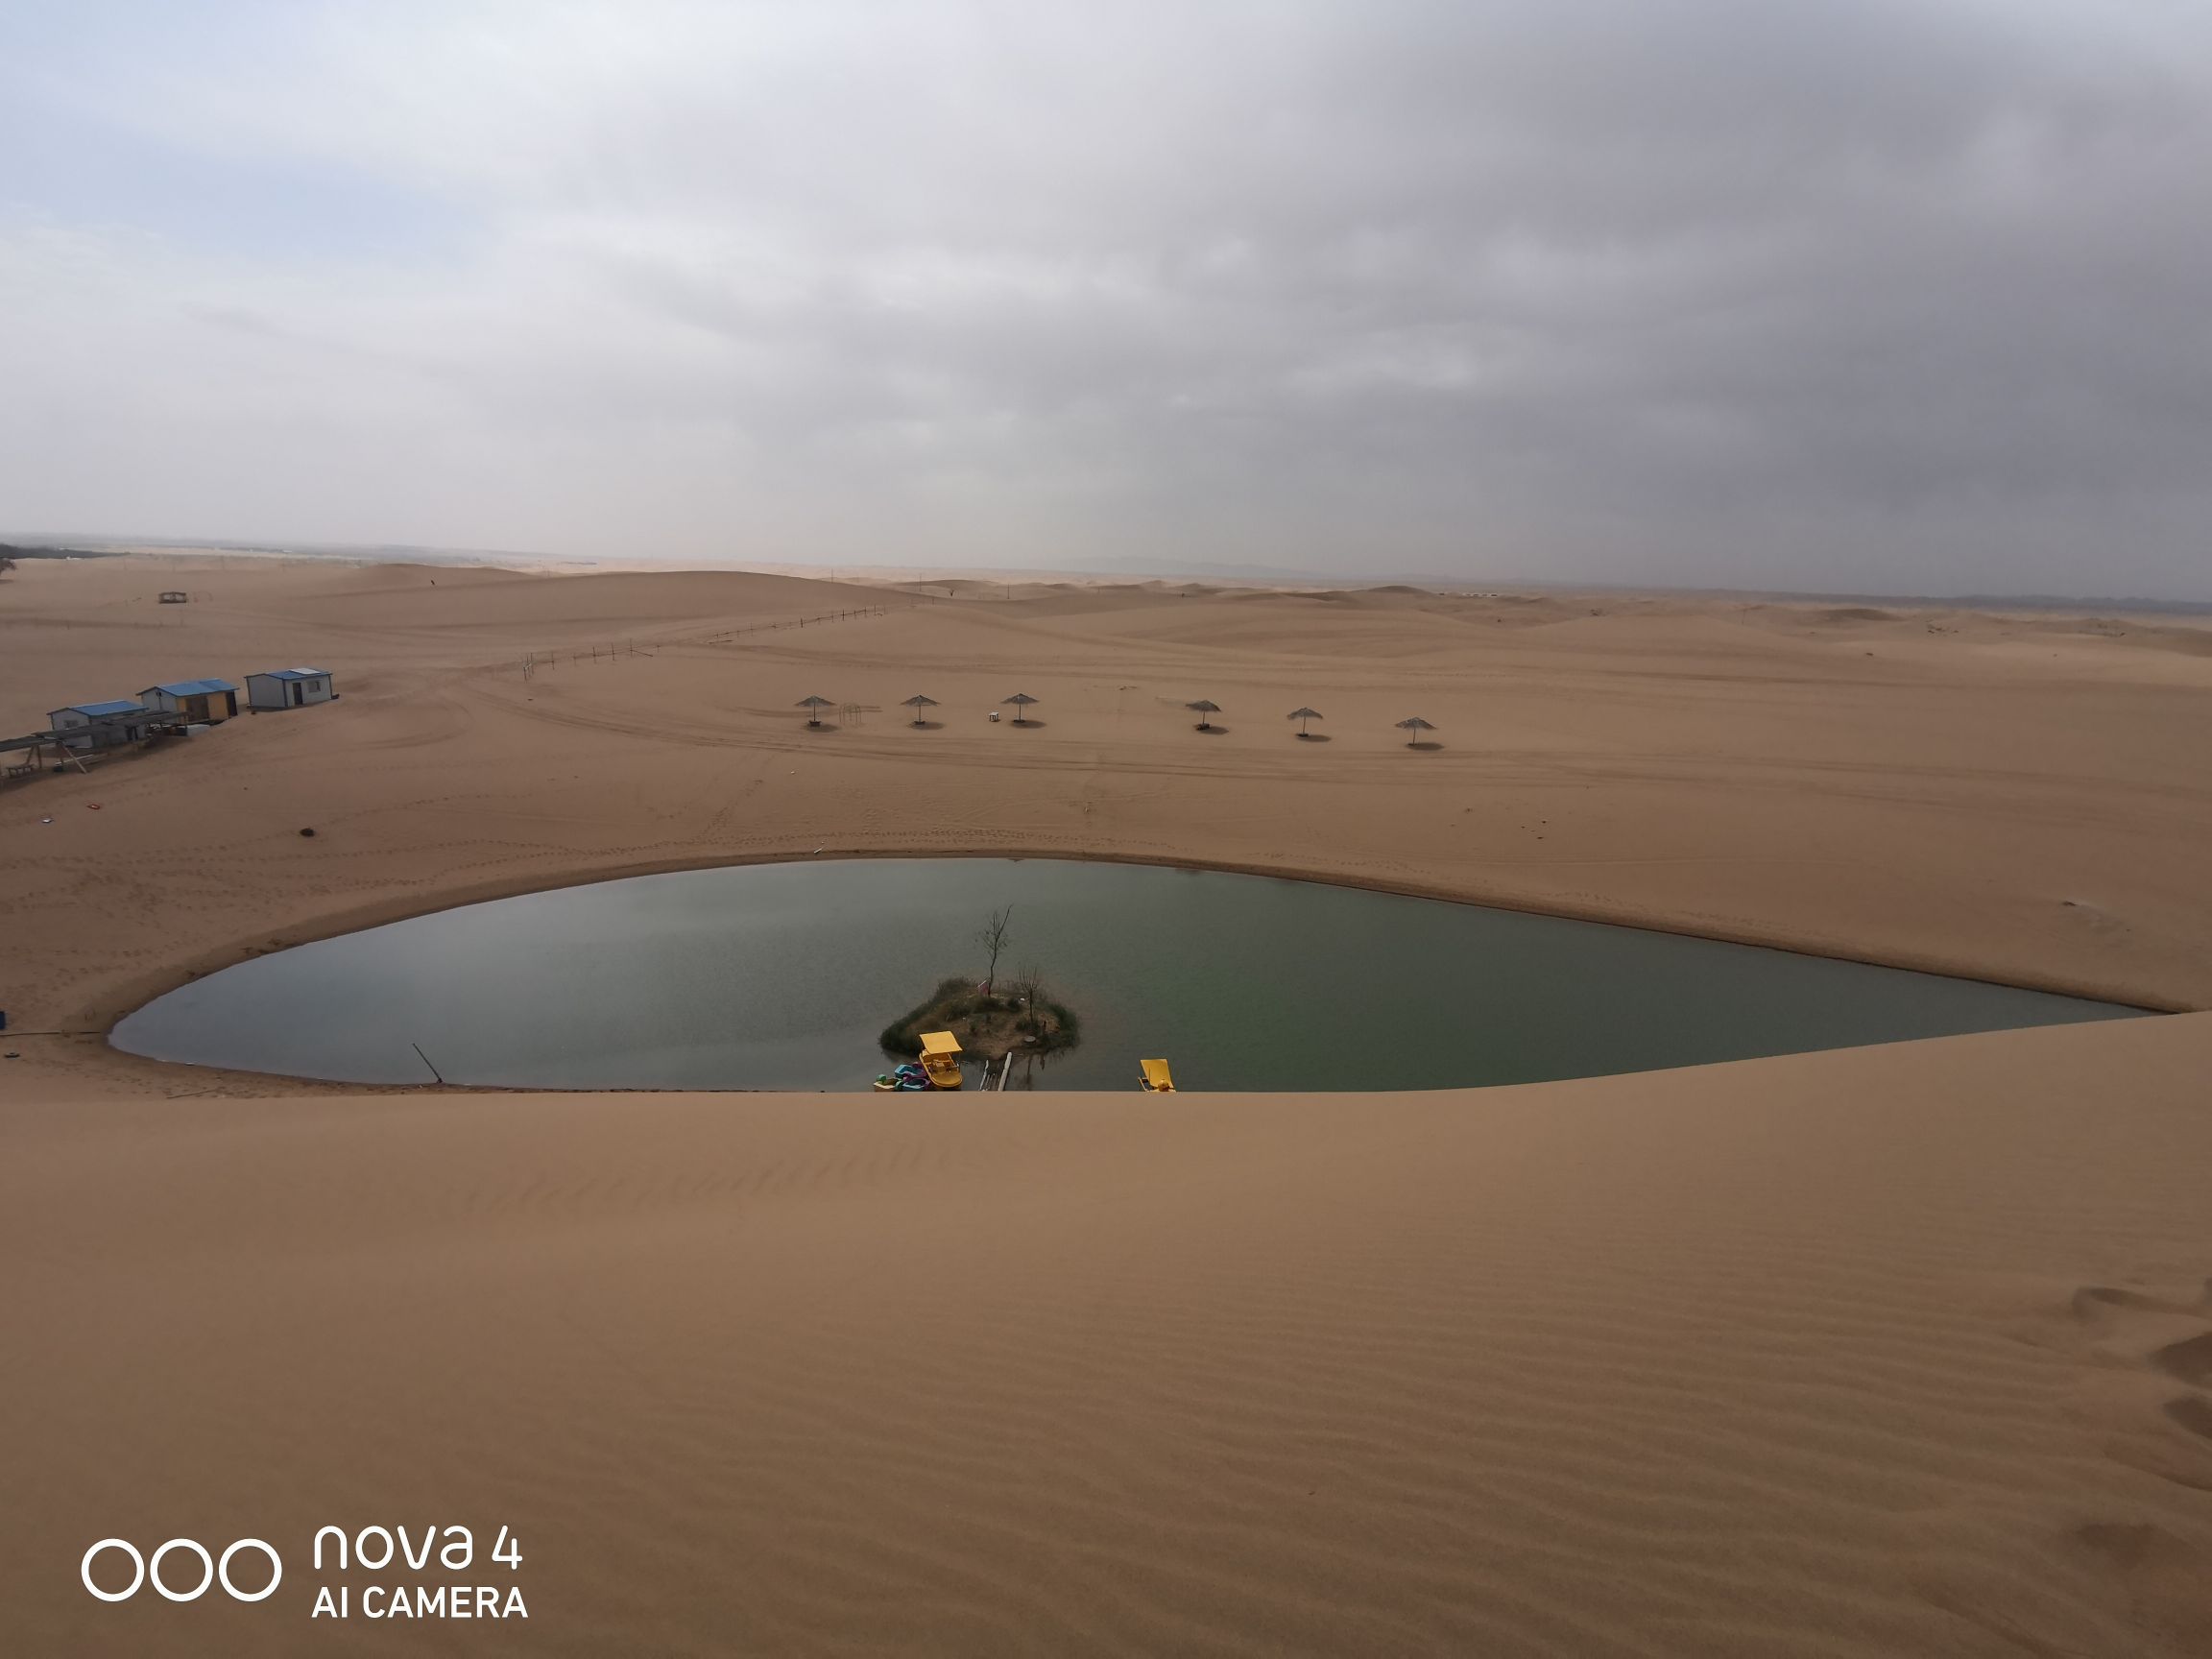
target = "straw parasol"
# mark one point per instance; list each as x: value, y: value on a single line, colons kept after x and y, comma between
x: 1021, y: 701
x: 1302, y: 716
x: 1204, y: 709
x: 813, y: 706
x: 1416, y: 725
x: 918, y: 703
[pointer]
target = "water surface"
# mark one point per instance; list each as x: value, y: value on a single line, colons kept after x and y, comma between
x: 780, y: 975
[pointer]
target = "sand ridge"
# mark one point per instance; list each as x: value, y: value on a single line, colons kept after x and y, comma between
x: 1873, y: 1352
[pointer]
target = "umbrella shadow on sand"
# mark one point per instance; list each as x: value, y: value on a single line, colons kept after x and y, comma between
x: 1416, y: 726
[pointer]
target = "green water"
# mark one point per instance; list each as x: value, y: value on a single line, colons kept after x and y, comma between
x: 780, y: 977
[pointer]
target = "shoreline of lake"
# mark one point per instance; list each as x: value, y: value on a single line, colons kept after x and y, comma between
x: 1426, y: 993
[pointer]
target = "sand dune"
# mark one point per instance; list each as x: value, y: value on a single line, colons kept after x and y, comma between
x: 1899, y: 1351
x: 1890, y: 1351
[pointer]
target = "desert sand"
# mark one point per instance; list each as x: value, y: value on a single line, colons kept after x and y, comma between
x: 1899, y: 1350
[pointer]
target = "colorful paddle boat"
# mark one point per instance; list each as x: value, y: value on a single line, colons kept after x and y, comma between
x: 939, y: 1067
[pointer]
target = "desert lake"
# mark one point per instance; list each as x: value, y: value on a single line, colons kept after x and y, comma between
x: 780, y: 975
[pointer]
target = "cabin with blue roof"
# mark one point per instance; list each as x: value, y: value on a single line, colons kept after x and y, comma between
x: 197, y: 702
x: 84, y: 727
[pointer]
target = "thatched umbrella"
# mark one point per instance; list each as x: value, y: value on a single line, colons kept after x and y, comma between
x: 1021, y: 701
x: 1416, y: 726
x: 813, y: 706
x: 1204, y: 709
x: 1302, y: 716
x: 918, y: 703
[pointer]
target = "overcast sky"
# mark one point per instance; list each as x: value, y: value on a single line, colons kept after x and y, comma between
x: 1878, y: 294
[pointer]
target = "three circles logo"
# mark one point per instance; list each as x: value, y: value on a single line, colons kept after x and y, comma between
x: 212, y: 1571
x: 432, y: 1571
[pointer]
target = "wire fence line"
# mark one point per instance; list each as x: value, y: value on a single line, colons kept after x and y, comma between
x: 725, y: 638
x: 530, y: 662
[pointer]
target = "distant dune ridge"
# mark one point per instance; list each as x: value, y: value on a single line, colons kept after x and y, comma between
x: 1893, y: 1351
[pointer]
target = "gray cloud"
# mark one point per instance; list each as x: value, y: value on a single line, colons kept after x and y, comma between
x: 1833, y: 295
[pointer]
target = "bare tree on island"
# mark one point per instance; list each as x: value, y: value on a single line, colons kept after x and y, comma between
x: 992, y: 938
x: 1028, y: 986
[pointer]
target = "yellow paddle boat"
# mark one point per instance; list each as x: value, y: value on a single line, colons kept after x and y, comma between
x: 939, y: 1067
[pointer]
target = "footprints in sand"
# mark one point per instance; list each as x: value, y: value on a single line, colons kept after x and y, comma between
x: 2144, y: 1391
x: 2168, y: 1337
x: 2193, y: 1412
x: 2189, y: 1359
x: 2162, y: 1576
x: 2122, y: 1312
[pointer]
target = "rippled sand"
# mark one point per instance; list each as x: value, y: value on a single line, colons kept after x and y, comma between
x: 1893, y: 1351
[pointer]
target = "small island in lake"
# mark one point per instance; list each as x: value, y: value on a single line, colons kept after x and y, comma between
x: 989, y: 1020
